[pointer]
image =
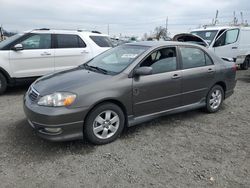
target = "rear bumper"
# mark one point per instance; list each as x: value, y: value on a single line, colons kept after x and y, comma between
x: 55, y: 124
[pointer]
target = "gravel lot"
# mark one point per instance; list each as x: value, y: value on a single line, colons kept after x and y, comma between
x: 191, y: 149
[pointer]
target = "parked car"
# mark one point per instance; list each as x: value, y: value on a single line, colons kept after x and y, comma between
x: 33, y: 54
x: 127, y: 85
x: 232, y: 43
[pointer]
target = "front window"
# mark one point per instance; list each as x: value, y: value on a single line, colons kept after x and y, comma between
x: 208, y: 36
x: 116, y: 59
x: 37, y: 41
x: 10, y: 40
x: 163, y: 60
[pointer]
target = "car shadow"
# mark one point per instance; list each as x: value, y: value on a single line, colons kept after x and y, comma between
x: 169, y: 121
x: 16, y: 90
x: 28, y: 147
x: 246, y: 78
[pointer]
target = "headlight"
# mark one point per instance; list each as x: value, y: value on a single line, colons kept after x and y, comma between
x: 57, y: 99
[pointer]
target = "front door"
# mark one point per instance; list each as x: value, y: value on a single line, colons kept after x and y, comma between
x: 161, y: 90
x: 227, y: 44
x: 36, y: 58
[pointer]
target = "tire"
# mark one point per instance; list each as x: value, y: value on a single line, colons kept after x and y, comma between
x: 3, y: 84
x: 246, y: 64
x: 104, y: 124
x: 214, y: 99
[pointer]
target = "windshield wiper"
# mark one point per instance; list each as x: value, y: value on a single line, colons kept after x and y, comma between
x: 94, y: 68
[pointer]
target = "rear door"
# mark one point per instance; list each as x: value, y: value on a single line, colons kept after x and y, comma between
x: 227, y: 44
x: 36, y: 58
x: 160, y: 91
x: 198, y: 74
x: 70, y: 51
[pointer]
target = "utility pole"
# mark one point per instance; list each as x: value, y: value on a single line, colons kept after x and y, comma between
x: 216, y: 17
x: 108, y: 29
x: 167, y: 27
x: 1, y: 33
x: 242, y: 19
x: 235, y: 19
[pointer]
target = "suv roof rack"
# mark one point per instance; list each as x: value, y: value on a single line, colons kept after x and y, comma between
x: 96, y: 32
x: 44, y: 29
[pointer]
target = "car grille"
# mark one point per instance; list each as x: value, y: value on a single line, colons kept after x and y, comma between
x: 33, y: 94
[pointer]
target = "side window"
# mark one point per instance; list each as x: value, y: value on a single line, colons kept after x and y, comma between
x: 192, y: 57
x: 161, y: 61
x: 228, y: 37
x: 102, y: 41
x: 231, y: 36
x: 69, y: 41
x: 37, y: 41
x: 208, y: 60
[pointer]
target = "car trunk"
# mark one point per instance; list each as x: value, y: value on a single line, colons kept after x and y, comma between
x: 188, y: 37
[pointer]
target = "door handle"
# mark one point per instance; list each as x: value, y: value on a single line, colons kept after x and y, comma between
x: 235, y: 47
x: 176, y: 76
x: 84, y: 52
x: 210, y: 70
x: 45, y: 53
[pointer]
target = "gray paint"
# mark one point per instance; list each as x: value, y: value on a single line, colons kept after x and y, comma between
x: 143, y: 97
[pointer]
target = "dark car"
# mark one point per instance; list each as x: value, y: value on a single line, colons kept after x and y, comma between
x: 127, y: 85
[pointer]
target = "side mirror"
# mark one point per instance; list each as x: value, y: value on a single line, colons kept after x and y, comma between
x: 143, y: 71
x: 17, y: 47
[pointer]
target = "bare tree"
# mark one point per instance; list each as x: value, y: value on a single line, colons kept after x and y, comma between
x: 161, y: 33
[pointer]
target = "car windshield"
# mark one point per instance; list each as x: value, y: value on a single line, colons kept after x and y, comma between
x: 208, y: 36
x: 9, y: 40
x: 116, y: 59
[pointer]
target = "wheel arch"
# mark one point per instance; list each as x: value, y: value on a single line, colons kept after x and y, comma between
x: 223, y: 85
x: 5, y: 74
x: 114, y: 101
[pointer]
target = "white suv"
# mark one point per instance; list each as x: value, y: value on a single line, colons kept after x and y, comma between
x: 32, y: 54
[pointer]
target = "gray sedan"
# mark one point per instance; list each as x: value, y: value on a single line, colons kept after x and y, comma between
x: 127, y: 85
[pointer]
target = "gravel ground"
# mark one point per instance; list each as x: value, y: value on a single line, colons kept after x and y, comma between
x: 191, y: 149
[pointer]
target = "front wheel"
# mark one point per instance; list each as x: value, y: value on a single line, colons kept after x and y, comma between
x: 246, y: 64
x: 3, y: 84
x: 214, y: 99
x: 104, y: 123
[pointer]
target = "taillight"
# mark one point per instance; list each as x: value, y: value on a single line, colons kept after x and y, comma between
x: 234, y: 68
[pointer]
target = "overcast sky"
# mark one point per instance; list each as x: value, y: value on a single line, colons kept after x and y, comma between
x: 129, y: 17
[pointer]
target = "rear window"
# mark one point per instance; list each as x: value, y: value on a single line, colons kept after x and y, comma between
x: 102, y: 41
x: 69, y: 41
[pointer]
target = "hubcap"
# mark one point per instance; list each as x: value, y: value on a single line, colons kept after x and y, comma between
x: 215, y: 99
x: 106, y: 124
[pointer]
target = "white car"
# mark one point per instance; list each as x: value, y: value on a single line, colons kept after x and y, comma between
x: 33, y: 54
x: 227, y: 42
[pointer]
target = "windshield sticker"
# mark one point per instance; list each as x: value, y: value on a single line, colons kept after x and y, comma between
x: 129, y: 56
x: 208, y: 34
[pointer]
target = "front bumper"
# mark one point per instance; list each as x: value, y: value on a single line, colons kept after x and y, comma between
x: 67, y: 122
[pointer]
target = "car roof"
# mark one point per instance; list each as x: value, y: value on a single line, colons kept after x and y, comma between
x: 162, y: 43
x: 64, y: 31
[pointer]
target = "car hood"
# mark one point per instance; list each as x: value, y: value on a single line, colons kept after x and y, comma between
x: 69, y: 80
x: 188, y: 37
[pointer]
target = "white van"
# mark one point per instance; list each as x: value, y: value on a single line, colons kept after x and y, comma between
x: 227, y: 42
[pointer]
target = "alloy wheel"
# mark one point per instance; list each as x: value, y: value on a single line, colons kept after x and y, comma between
x: 215, y: 99
x: 106, y: 124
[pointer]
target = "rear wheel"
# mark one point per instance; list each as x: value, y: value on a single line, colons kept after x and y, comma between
x: 214, y: 99
x: 3, y: 83
x: 104, y: 123
x: 246, y: 64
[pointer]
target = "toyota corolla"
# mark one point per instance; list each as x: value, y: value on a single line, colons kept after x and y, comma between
x: 127, y: 85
